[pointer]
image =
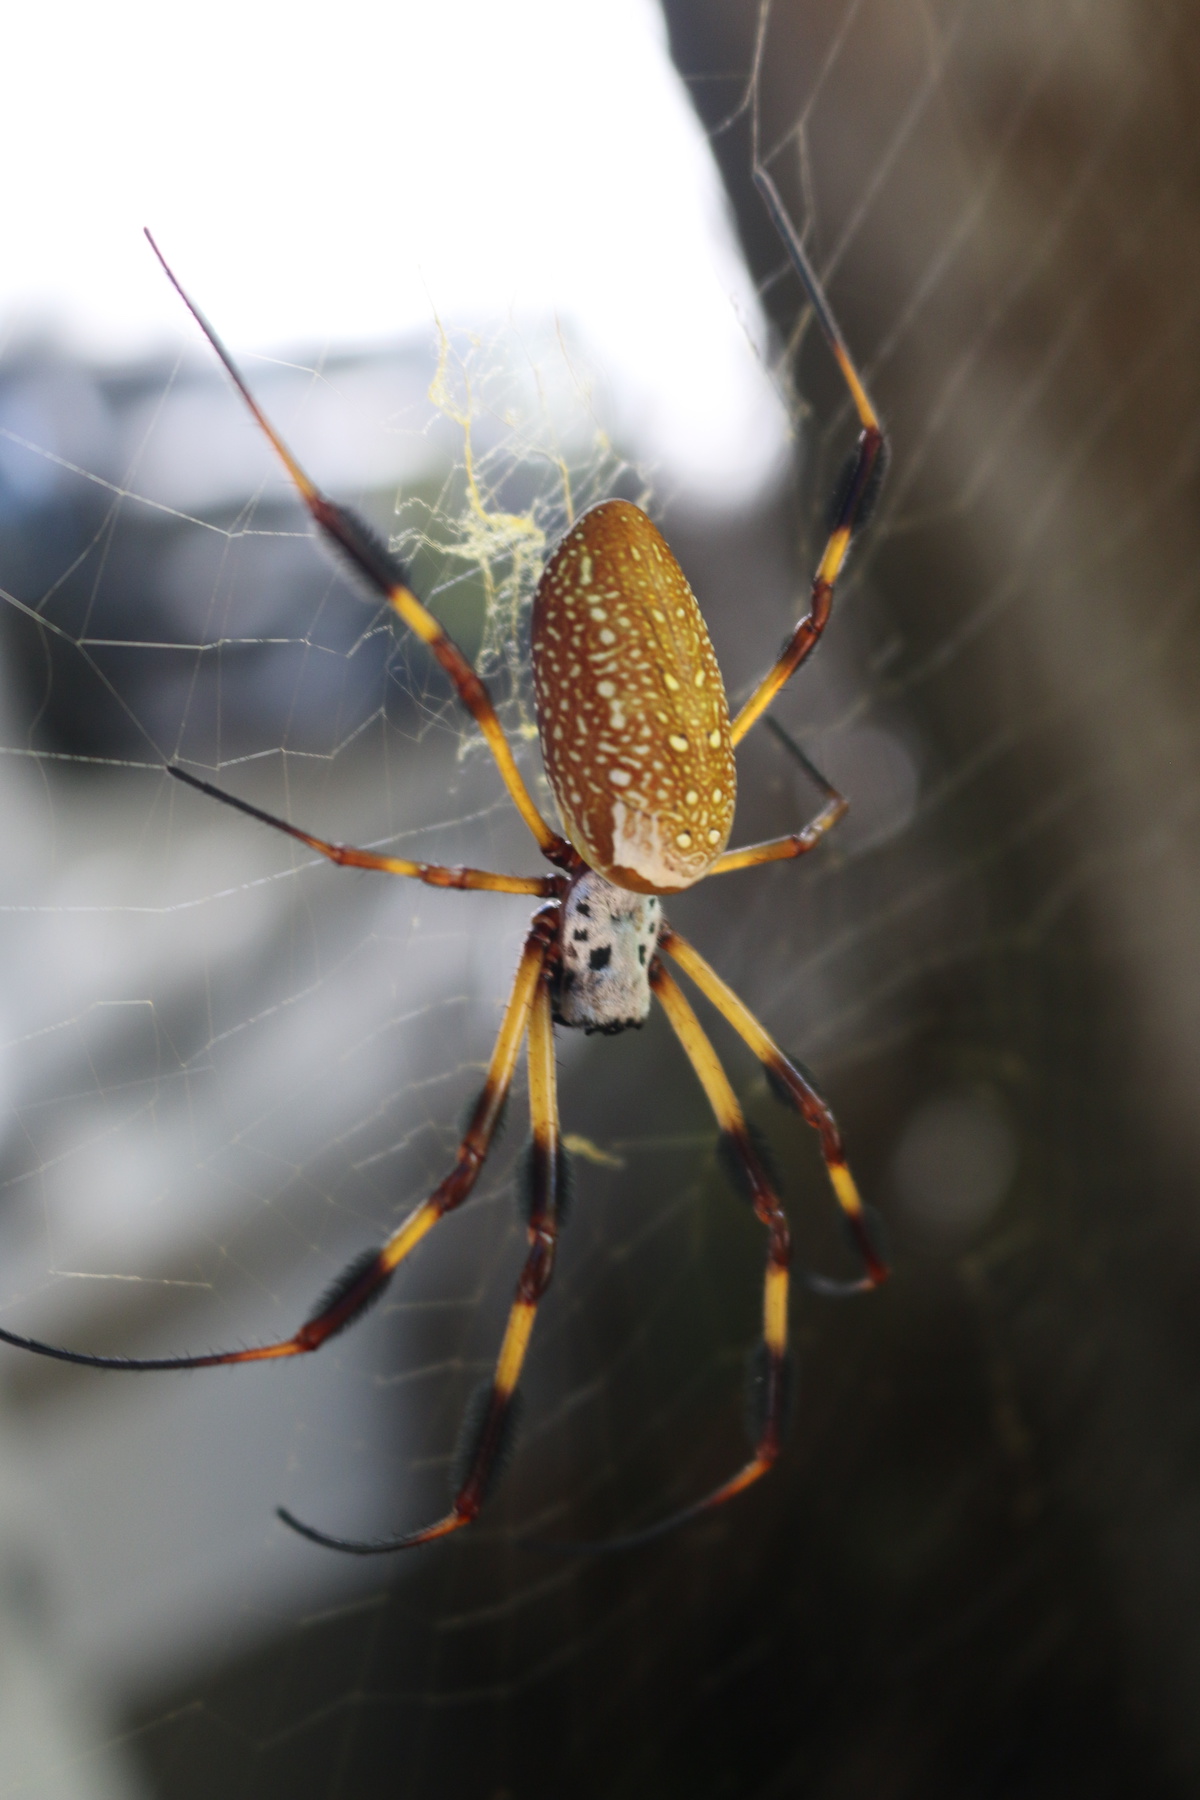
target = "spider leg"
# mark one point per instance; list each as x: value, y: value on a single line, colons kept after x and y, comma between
x: 796, y: 843
x: 434, y: 874
x: 364, y: 1280
x: 770, y: 1371
x: 385, y: 574
x: 857, y: 492
x: 794, y: 1087
x: 490, y: 1427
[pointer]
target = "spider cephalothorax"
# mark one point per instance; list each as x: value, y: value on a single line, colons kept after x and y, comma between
x: 607, y: 938
x: 638, y: 747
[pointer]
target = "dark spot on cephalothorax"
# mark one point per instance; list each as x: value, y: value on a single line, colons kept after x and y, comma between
x: 601, y: 957
x: 581, y: 937
x: 642, y: 954
x: 582, y: 908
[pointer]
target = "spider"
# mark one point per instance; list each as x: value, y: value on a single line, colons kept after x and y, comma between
x: 638, y: 744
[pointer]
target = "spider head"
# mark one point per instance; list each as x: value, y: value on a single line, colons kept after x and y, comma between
x: 607, y: 939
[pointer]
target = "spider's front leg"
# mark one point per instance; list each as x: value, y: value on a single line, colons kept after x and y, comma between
x: 793, y: 1087
x: 769, y: 1385
x: 490, y: 1421
x: 364, y: 1281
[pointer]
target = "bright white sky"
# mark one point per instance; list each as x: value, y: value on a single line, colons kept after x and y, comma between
x: 326, y: 175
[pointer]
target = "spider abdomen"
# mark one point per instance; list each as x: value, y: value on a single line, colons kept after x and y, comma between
x: 632, y: 714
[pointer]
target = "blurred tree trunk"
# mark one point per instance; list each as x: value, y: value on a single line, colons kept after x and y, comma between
x: 1007, y: 202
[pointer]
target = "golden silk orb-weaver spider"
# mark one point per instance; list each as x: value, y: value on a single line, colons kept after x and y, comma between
x: 638, y: 745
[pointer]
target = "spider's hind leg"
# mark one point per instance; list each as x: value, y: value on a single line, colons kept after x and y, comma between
x: 373, y: 562
x: 856, y: 492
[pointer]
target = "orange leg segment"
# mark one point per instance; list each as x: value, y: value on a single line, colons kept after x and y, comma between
x: 796, y: 843
x: 363, y: 1282
x: 771, y: 1368
x: 794, y: 1087
x: 381, y: 570
x: 857, y: 493
x: 433, y: 874
x: 494, y: 1414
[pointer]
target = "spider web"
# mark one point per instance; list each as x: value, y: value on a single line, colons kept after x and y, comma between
x: 231, y: 1068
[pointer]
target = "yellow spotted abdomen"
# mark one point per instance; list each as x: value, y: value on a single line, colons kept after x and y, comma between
x: 632, y: 714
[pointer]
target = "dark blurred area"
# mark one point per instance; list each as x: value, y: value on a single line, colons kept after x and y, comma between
x: 977, y: 1570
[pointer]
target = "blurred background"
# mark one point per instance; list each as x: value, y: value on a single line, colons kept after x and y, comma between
x: 485, y: 266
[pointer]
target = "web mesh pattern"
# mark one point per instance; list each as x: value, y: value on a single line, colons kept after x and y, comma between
x: 230, y: 1068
